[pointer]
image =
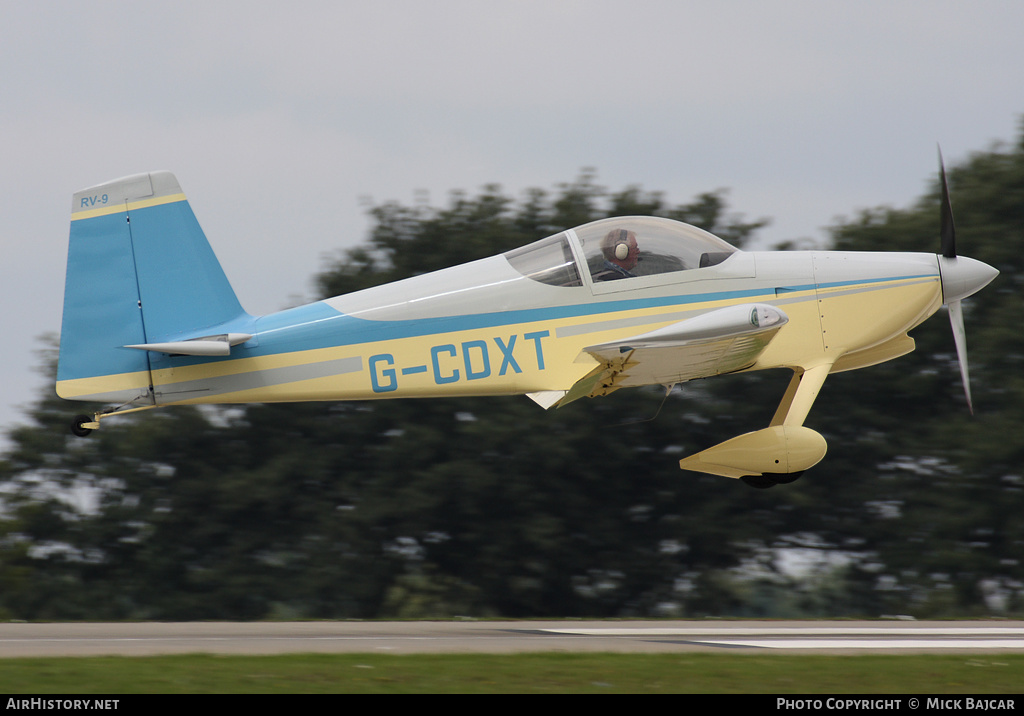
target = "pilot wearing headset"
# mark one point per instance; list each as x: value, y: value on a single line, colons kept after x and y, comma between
x: 621, y: 254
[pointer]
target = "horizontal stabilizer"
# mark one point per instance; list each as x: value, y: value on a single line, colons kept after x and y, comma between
x: 205, y: 346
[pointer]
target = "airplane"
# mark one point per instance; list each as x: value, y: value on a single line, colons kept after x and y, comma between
x: 150, y: 320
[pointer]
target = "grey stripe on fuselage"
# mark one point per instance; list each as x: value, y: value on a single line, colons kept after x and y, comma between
x: 222, y: 385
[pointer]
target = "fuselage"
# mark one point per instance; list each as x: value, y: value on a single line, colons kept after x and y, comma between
x: 485, y: 328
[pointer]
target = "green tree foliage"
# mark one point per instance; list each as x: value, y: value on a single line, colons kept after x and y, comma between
x: 492, y: 506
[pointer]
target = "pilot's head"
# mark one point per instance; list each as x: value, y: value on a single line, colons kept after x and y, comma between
x: 620, y: 248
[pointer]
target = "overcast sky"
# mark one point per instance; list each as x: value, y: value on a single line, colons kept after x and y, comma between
x: 279, y: 119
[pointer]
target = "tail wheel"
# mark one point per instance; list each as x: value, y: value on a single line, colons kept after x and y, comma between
x: 78, y: 425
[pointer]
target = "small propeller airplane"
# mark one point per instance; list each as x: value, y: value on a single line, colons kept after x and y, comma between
x: 151, y: 320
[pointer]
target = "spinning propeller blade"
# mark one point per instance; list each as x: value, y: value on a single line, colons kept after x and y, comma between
x: 947, y: 230
x: 956, y: 319
x: 961, y: 277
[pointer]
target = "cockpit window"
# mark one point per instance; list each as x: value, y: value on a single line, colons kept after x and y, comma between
x: 549, y: 261
x: 628, y: 247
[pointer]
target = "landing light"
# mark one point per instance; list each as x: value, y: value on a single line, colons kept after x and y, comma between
x: 764, y: 316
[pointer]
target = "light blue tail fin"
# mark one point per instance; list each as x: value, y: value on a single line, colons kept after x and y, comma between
x: 140, y: 271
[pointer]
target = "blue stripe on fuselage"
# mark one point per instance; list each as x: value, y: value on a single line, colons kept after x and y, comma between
x: 317, y: 325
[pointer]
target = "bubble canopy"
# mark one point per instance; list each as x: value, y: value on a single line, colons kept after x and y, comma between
x: 620, y: 248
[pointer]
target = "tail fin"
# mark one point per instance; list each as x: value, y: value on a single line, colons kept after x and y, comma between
x: 140, y: 271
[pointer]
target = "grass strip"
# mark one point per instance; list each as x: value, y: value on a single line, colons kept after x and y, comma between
x: 518, y: 673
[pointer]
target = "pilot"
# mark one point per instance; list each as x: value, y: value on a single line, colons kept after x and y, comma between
x: 621, y: 254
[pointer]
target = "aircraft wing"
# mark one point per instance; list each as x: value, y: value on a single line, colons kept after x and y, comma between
x: 720, y: 341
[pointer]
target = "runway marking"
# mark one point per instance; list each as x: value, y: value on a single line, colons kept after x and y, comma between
x: 869, y: 643
x: 797, y: 631
x: 831, y: 637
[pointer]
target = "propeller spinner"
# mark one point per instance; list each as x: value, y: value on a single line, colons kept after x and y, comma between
x: 961, y: 277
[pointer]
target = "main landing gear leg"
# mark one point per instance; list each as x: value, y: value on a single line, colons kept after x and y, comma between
x: 775, y: 455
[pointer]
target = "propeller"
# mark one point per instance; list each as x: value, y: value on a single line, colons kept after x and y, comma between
x: 961, y: 277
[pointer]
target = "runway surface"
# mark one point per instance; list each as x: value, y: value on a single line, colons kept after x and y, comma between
x: 140, y: 639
